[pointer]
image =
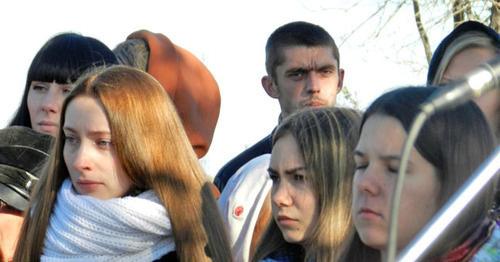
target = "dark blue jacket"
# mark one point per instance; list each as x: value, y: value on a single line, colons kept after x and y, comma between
x: 227, y: 171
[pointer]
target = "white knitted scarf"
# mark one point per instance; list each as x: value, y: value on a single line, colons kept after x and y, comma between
x: 84, y: 228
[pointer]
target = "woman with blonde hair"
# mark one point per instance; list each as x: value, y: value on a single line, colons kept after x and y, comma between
x: 468, y: 46
x: 124, y: 184
x: 311, y: 168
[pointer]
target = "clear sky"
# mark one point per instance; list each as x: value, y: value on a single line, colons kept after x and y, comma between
x: 229, y: 37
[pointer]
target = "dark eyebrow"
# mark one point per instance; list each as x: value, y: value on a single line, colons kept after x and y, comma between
x: 68, y: 129
x: 329, y: 66
x: 391, y: 157
x: 358, y: 153
x: 297, y: 70
x: 384, y: 157
x: 288, y: 172
x: 272, y: 171
x: 301, y: 69
x: 294, y: 170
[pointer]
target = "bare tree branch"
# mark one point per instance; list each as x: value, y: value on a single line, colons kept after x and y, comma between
x: 495, y: 15
x: 458, y: 12
x: 390, y: 18
x: 468, y: 11
x: 421, y: 31
x: 380, y: 9
x: 428, y: 15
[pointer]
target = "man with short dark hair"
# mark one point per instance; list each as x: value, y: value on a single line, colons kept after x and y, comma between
x: 303, y: 67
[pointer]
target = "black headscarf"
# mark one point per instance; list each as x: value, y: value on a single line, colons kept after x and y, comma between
x: 465, y: 27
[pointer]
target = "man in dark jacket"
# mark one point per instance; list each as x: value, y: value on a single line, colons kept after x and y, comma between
x: 302, y: 63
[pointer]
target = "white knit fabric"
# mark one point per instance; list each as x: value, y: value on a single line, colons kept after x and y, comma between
x: 84, y: 228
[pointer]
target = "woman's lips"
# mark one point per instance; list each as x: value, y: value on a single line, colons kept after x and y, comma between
x: 286, y: 221
x: 367, y: 213
x: 47, y: 127
x: 88, y: 185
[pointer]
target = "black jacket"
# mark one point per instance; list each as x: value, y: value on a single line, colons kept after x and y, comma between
x: 264, y: 146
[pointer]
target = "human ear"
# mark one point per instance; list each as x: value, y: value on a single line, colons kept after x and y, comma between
x: 269, y: 86
x: 341, y: 80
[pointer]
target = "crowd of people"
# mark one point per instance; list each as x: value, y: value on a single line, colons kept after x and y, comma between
x: 101, y: 160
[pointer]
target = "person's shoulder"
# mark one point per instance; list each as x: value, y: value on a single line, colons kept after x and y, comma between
x: 259, y: 148
x: 254, y: 166
x: 227, y: 171
x: 249, y: 182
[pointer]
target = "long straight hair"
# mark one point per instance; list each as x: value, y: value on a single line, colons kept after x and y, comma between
x: 326, y: 138
x: 154, y: 152
x: 455, y: 142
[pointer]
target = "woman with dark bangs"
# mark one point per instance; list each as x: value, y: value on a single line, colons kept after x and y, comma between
x: 51, y: 75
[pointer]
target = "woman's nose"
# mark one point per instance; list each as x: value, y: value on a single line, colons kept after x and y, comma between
x: 281, y: 195
x: 368, y: 180
x: 82, y: 158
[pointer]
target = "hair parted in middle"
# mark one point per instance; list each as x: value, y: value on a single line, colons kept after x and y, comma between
x: 455, y: 142
x: 326, y: 138
x: 154, y: 152
x: 296, y: 34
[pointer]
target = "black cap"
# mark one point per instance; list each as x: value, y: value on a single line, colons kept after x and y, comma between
x: 23, y: 152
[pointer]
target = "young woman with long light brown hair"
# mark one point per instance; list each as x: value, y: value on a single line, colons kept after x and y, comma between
x: 121, y: 143
x: 312, y: 169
